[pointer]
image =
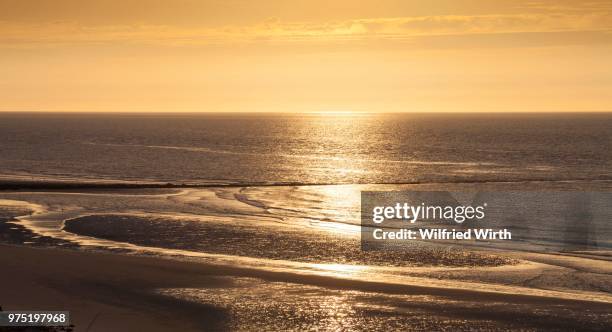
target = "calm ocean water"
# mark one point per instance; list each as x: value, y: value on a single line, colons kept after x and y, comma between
x: 318, y: 223
x: 309, y: 149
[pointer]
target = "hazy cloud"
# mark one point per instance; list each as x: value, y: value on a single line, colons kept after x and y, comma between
x: 28, y: 34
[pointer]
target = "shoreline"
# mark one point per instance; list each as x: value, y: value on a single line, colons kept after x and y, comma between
x: 20, y: 183
x: 98, y: 286
x: 123, y: 289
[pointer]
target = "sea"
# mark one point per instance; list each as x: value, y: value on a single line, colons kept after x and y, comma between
x: 286, y: 187
x: 309, y: 149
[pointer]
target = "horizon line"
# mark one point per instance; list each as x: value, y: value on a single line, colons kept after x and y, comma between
x: 301, y: 112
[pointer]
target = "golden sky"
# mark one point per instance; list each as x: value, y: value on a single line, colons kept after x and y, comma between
x: 305, y: 56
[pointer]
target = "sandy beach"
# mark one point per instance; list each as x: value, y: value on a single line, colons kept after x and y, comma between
x: 217, y: 259
x: 121, y: 293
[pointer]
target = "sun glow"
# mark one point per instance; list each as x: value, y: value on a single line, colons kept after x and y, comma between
x: 339, y: 58
x: 341, y: 269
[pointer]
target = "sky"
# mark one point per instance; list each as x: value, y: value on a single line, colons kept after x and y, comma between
x: 305, y: 56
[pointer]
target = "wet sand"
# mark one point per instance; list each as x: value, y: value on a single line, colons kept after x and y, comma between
x: 123, y: 292
x: 283, y: 243
x: 93, y: 253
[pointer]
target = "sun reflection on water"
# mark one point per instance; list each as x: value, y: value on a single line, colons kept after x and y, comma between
x: 341, y: 269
